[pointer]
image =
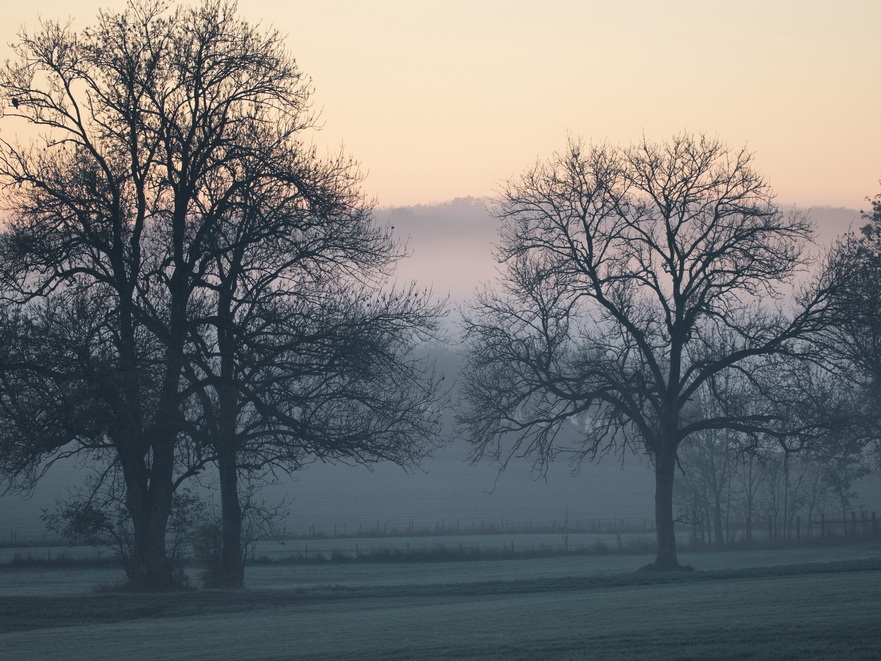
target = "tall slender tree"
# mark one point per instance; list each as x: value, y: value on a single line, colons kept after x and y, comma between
x: 301, y: 353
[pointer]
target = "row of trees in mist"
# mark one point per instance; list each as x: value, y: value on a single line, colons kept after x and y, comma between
x: 732, y: 489
x: 186, y: 284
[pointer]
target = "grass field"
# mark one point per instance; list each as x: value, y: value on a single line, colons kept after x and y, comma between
x: 765, y: 607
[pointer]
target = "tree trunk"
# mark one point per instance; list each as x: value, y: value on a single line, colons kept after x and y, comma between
x: 232, y: 564
x: 717, y: 521
x: 149, y: 488
x: 665, y: 464
x: 149, y: 567
x: 231, y: 572
x: 148, y: 456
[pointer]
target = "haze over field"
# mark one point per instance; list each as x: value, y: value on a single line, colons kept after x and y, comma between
x: 451, y: 244
x: 450, y: 249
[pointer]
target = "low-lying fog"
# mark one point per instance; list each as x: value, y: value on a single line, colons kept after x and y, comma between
x: 450, y: 246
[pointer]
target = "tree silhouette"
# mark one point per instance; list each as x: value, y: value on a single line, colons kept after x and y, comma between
x: 852, y: 341
x: 634, y: 278
x: 213, y: 264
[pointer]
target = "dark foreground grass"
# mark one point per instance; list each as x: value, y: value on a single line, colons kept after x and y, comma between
x: 797, y: 612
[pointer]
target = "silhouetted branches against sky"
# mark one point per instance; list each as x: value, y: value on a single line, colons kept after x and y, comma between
x: 633, y: 277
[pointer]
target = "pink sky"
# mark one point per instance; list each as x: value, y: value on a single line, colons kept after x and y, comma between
x: 440, y: 100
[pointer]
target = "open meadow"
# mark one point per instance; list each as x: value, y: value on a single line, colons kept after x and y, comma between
x: 796, y: 604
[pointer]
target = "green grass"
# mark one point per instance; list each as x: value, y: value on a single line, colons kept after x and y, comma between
x: 813, y: 611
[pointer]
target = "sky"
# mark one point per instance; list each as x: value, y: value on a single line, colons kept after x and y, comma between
x: 439, y: 100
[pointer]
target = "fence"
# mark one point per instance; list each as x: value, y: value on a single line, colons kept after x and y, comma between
x: 858, y: 525
x: 502, y: 537
x: 456, y: 527
x: 448, y: 547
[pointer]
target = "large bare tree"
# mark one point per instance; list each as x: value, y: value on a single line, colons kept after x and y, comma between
x: 634, y: 278
x: 172, y: 204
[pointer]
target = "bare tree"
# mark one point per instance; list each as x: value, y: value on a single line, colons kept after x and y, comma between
x: 852, y: 343
x: 708, y: 461
x: 844, y: 462
x: 633, y: 277
x: 752, y: 468
x: 301, y: 352
x: 303, y: 357
x: 173, y: 198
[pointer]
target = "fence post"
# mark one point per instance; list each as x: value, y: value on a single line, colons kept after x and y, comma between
x: 798, y: 528
x: 865, y: 523
x: 853, y: 523
x: 874, y: 524
x: 822, y: 525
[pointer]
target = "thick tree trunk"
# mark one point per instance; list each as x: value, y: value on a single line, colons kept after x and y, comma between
x: 665, y: 464
x: 232, y: 563
x: 149, y: 567
x: 231, y: 572
x: 149, y: 488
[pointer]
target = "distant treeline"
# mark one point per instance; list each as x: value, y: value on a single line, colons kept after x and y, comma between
x: 729, y: 492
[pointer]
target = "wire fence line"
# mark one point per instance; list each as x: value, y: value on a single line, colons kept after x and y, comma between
x: 862, y: 524
x: 502, y: 539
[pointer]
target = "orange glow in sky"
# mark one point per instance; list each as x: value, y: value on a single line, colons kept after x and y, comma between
x: 439, y: 100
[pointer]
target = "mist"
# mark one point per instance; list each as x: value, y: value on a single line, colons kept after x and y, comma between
x: 450, y: 251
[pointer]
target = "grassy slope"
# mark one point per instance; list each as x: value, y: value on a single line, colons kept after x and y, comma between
x: 814, y: 611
